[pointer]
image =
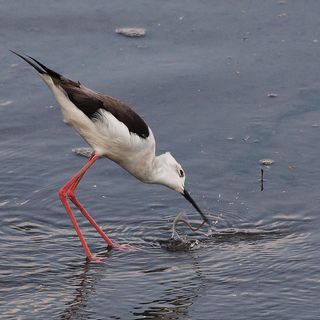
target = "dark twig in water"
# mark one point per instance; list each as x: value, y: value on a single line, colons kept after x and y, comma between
x: 261, y: 179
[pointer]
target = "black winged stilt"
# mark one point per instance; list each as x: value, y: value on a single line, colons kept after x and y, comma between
x: 115, y: 131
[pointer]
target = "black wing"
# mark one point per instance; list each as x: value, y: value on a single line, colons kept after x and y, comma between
x: 90, y: 102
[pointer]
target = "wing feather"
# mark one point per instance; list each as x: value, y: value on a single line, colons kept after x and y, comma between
x: 90, y: 103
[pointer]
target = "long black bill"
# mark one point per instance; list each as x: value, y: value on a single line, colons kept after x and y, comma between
x: 188, y: 197
x: 41, y: 68
x: 30, y: 62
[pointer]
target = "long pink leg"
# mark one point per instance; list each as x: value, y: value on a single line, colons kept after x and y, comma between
x: 77, y: 203
x: 63, y: 192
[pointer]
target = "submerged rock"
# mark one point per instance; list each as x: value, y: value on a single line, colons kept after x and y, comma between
x: 131, y: 32
x: 266, y: 162
x: 84, y: 152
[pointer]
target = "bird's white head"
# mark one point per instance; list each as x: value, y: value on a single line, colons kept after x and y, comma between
x: 168, y: 172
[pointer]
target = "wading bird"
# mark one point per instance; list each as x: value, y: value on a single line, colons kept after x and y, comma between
x: 113, y: 130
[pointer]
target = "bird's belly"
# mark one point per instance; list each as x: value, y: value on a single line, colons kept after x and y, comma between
x: 136, y: 163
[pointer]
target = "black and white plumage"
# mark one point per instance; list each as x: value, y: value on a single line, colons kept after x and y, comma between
x: 113, y: 130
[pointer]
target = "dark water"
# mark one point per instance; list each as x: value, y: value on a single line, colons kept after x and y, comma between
x: 201, y: 79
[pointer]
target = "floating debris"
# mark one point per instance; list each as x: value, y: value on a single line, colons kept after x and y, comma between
x: 84, y: 152
x: 3, y: 203
x: 272, y: 95
x: 266, y: 162
x: 246, y: 138
x: 5, y: 103
x: 131, y: 32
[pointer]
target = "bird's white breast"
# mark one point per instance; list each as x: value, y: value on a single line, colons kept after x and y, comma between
x: 129, y: 150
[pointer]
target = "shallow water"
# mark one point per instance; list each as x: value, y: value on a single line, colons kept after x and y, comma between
x: 202, y: 75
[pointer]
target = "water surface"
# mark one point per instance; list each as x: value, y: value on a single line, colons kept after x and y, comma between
x: 201, y: 79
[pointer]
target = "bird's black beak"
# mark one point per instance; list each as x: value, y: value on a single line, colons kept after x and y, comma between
x: 186, y: 194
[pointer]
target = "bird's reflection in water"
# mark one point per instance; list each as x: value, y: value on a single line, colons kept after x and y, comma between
x: 175, y: 301
x: 173, y: 304
x: 175, y: 307
x: 76, y: 308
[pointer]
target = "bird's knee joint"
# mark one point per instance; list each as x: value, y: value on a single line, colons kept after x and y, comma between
x: 62, y: 193
x: 71, y: 195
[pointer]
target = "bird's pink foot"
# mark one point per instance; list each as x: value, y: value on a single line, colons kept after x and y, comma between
x: 94, y: 258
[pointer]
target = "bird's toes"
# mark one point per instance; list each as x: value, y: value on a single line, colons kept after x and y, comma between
x: 96, y: 259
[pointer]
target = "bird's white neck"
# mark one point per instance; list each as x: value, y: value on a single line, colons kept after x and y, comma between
x: 157, y: 169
